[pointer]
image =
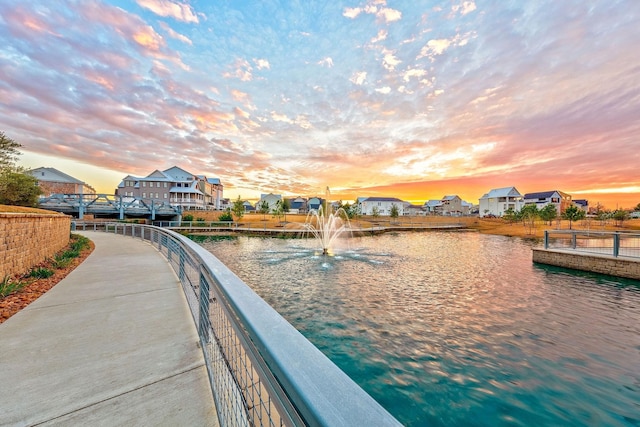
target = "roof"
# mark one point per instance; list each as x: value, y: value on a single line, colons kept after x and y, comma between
x: 54, y: 173
x: 382, y: 199
x: 450, y: 197
x: 502, y: 192
x: 544, y: 194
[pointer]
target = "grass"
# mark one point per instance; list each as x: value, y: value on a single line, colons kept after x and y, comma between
x: 9, y: 286
x: 41, y: 273
x: 77, y: 244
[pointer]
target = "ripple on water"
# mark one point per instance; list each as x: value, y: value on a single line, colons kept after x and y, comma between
x: 459, y: 328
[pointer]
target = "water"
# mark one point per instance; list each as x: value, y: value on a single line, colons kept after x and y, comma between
x: 458, y: 329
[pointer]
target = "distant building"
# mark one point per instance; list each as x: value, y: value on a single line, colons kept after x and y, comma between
x: 433, y: 206
x: 499, y: 200
x: 582, y: 204
x: 381, y: 205
x: 271, y: 199
x: 451, y: 205
x: 176, y: 187
x: 298, y: 205
x: 560, y: 200
x: 413, y: 210
x: 52, y: 181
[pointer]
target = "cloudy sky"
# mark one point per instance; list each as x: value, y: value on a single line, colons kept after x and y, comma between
x: 412, y: 99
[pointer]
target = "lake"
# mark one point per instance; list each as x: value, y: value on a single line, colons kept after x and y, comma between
x: 457, y: 328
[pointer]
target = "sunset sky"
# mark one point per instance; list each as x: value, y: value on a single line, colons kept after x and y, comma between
x: 410, y: 99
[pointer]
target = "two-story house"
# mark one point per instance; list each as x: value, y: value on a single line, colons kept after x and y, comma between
x: 499, y: 200
x: 543, y: 198
x: 381, y: 206
x: 174, y: 186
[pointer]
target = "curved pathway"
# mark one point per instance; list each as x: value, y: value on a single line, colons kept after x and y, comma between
x: 113, y: 343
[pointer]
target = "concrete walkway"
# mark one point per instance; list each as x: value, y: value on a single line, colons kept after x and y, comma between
x: 113, y: 344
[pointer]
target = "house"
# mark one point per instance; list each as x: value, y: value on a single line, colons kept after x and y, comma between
x: 560, y: 200
x: 248, y: 207
x: 381, y: 206
x: 297, y: 205
x: 499, y: 200
x: 176, y: 187
x: 52, y: 181
x: 314, y: 203
x: 271, y: 199
x: 433, y: 207
x: 452, y: 206
x: 413, y: 210
x: 582, y: 204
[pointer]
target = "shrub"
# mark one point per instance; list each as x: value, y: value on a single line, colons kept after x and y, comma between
x: 187, y: 218
x: 227, y: 216
x: 41, y: 273
x: 9, y: 286
x: 79, y: 242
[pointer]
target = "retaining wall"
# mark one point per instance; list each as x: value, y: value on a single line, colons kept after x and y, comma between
x: 604, y: 264
x: 28, y: 239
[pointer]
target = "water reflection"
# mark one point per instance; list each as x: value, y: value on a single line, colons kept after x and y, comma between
x: 458, y: 328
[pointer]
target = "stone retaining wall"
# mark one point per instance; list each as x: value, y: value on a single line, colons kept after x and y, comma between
x: 604, y: 264
x: 28, y: 239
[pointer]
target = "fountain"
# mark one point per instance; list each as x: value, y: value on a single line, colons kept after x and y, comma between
x: 326, y: 226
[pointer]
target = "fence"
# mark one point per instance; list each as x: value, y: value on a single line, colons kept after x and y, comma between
x: 262, y: 371
x: 616, y: 244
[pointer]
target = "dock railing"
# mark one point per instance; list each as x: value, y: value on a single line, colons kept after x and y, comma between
x: 262, y: 371
x: 611, y: 243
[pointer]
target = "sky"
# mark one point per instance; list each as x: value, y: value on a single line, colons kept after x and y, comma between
x: 409, y: 99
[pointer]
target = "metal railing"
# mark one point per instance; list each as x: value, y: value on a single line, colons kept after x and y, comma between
x: 616, y: 244
x: 262, y: 371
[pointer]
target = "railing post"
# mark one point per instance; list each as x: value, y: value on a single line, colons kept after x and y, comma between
x: 574, y: 239
x: 616, y: 244
x: 546, y: 239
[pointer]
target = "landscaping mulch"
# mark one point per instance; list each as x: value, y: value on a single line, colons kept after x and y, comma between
x: 11, y: 304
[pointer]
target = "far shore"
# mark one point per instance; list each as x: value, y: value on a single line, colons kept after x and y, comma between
x: 497, y: 226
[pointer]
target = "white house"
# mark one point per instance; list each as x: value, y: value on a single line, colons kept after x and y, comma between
x: 381, y: 205
x: 271, y: 199
x: 176, y: 187
x: 556, y: 198
x: 499, y: 200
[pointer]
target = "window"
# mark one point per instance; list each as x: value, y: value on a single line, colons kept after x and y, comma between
x: 165, y: 194
x: 157, y: 196
x: 144, y: 195
x: 144, y: 183
x: 165, y: 185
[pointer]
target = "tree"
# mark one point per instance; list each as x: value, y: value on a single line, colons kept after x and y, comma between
x: 18, y: 189
x: 285, y: 208
x: 528, y: 214
x: 548, y: 213
x: 263, y: 208
x: 9, y: 153
x: 238, y: 208
x: 510, y: 215
x: 395, y: 212
x: 375, y: 212
x: 16, y: 186
x: 573, y: 213
x: 637, y: 208
x: 278, y: 210
x: 619, y: 216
